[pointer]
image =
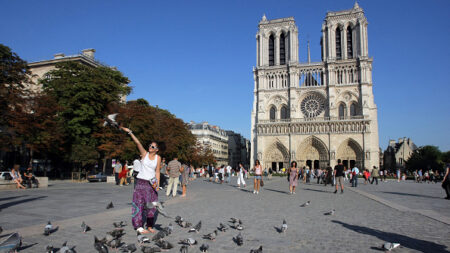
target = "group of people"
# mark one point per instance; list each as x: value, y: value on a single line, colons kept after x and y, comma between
x: 23, y: 180
x: 122, y: 173
x: 429, y: 176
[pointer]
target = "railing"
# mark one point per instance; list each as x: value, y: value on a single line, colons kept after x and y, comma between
x: 315, y: 119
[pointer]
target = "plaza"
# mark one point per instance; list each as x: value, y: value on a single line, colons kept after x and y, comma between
x: 415, y: 215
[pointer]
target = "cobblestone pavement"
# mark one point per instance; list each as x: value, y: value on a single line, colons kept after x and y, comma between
x: 360, y: 224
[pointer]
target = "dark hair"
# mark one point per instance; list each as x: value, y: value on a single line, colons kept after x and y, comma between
x: 292, y: 164
x: 339, y: 160
x: 160, y: 145
x: 257, y: 161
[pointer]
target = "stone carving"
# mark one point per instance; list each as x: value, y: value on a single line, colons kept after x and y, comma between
x: 312, y: 105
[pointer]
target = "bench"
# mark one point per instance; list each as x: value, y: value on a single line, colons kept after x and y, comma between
x: 10, y: 185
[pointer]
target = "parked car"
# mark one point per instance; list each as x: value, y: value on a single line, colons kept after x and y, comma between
x: 5, y: 175
x: 99, y: 177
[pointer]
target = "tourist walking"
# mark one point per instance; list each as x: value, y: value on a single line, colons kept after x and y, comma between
x: 123, y: 175
x: 328, y: 175
x: 241, y: 172
x: 374, y: 174
x: 185, y: 171
x: 174, y: 169
x: 147, y: 186
x: 163, y: 174
x: 293, y: 177
x: 338, y: 174
x: 258, y: 177
x: 398, y: 175
x: 116, y: 171
x: 446, y: 182
x: 355, y: 173
x: 228, y: 174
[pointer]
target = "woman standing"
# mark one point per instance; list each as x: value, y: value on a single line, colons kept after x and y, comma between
x: 446, y: 181
x: 241, y: 175
x: 293, y: 177
x: 123, y: 175
x: 258, y: 177
x: 185, y: 178
x: 147, y: 186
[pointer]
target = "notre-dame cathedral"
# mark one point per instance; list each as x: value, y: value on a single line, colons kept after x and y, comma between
x: 314, y: 112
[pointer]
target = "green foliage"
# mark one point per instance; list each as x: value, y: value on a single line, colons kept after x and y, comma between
x: 426, y: 157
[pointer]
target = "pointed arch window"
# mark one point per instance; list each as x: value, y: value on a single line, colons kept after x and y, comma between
x: 342, y: 111
x: 353, y: 110
x: 284, y: 113
x: 282, y: 49
x: 271, y: 50
x: 338, y: 44
x: 272, y: 113
x: 349, y: 43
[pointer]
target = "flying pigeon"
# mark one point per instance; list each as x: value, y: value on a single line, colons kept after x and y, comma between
x: 211, y: 236
x: 111, y: 120
x: 196, y: 228
x: 159, y: 206
x: 390, y: 246
x: 128, y: 248
x: 184, y: 249
x: 110, y: 205
x: 164, y: 244
x: 11, y: 243
x: 222, y: 227
x: 258, y: 250
x: 188, y: 241
x: 85, y: 227
x: 204, y: 248
x: 148, y: 249
x: 100, y: 245
x: 143, y: 239
x: 49, y: 229
x: 306, y: 203
x: 66, y: 249
x: 284, y: 227
x: 330, y: 212
x: 239, y: 239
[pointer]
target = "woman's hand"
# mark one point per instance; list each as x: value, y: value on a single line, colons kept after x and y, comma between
x: 125, y: 129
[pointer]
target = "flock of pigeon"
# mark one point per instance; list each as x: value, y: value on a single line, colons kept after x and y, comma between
x: 113, y: 238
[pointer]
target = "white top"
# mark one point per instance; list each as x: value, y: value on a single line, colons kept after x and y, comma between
x: 228, y: 169
x: 148, y: 169
x: 137, y: 165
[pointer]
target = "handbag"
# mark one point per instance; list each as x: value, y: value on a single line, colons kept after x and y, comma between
x: 261, y: 182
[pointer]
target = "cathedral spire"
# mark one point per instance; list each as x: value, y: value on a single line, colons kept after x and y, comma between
x: 309, y: 54
x: 356, y: 6
x: 264, y: 17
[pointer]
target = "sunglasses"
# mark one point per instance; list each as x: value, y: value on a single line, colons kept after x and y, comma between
x: 153, y: 147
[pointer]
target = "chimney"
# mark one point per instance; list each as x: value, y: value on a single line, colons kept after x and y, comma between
x: 58, y: 55
x: 89, y: 52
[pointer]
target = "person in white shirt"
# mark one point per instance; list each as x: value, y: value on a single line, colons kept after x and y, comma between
x: 241, y: 172
x: 228, y: 174
x: 355, y: 173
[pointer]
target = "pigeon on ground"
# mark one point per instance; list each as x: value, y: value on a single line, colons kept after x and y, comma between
x: 284, y: 227
x: 85, y: 227
x: 116, y: 233
x: 169, y: 229
x: 306, y: 203
x: 119, y: 224
x: 239, y: 239
x: 49, y: 229
x: 110, y: 205
x: 234, y: 220
x: 128, y: 248
x: 164, y: 244
x: 178, y: 219
x: 184, y: 249
x: 51, y: 249
x: 188, y: 241
x: 239, y: 226
x: 185, y: 224
x: 100, y: 245
x: 143, y: 239
x: 160, y: 235
x: 390, y: 246
x: 196, y: 228
x: 11, y: 243
x: 66, y: 249
x: 211, y: 236
x: 115, y: 243
x: 111, y: 121
x: 204, y: 248
x: 330, y: 212
x: 222, y: 227
x: 159, y: 206
x: 148, y: 249
x: 258, y: 250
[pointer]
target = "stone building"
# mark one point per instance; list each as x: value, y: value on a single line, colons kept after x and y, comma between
x: 212, y: 137
x: 314, y: 112
x: 237, y: 150
x: 396, y: 154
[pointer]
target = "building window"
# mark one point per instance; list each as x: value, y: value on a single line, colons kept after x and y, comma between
x: 353, y: 111
x: 284, y: 113
x: 272, y: 113
x: 282, y: 49
x: 342, y: 111
x: 271, y: 51
x: 338, y: 44
x: 349, y: 43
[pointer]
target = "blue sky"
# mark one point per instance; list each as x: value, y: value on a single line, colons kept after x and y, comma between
x: 195, y: 58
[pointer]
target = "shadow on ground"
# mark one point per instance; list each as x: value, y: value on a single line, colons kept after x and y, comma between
x: 414, y: 195
x: 17, y: 202
x: 405, y: 241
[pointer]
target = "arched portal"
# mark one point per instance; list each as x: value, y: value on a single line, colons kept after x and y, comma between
x: 276, y: 156
x: 350, y: 153
x: 312, y: 152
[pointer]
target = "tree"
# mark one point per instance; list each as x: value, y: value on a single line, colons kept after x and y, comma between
x: 82, y: 94
x: 426, y: 157
x: 14, y: 74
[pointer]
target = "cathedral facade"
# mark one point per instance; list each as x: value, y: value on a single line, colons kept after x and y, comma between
x: 314, y: 112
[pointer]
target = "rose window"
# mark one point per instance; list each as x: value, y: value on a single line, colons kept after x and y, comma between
x: 312, y: 106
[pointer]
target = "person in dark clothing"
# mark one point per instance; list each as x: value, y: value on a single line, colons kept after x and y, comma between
x: 339, y: 173
x: 446, y: 182
x: 328, y: 175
